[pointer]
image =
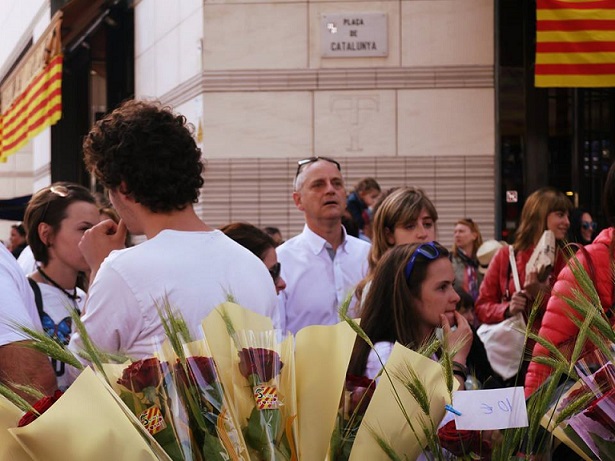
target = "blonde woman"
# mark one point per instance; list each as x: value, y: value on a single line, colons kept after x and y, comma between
x: 466, y: 241
x: 405, y: 215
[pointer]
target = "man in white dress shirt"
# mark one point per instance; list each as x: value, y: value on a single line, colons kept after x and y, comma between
x: 323, y: 264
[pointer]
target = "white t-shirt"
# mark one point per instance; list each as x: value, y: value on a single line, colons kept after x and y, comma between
x: 194, y: 270
x: 373, y: 365
x: 316, y: 285
x: 57, y: 306
x: 16, y: 300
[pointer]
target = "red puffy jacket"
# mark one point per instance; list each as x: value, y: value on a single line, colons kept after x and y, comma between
x: 492, y: 302
x: 556, y: 326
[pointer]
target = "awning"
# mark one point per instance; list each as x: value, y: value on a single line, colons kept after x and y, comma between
x: 31, y: 96
x: 13, y: 209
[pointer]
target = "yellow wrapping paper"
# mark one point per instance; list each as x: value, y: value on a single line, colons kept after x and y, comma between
x: 10, y: 449
x: 85, y: 423
x: 322, y: 354
x: 221, y: 345
x: 385, y: 416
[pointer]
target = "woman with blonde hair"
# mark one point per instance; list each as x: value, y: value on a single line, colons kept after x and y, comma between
x: 404, y: 215
x: 545, y: 209
x: 466, y: 242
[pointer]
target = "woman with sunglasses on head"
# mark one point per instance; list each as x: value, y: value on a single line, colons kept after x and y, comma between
x: 261, y: 244
x: 55, y: 219
x: 403, y: 215
x: 545, y: 209
x: 466, y: 241
x: 411, y: 295
x: 582, y: 227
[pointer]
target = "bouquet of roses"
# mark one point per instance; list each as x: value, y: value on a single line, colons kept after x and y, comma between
x: 268, y: 430
x: 358, y: 391
x: 85, y: 422
x: 148, y: 389
x: 212, y: 425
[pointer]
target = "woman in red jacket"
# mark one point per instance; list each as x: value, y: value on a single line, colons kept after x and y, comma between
x: 556, y: 324
x: 544, y: 209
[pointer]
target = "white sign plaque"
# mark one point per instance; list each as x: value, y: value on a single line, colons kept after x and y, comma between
x: 354, y: 35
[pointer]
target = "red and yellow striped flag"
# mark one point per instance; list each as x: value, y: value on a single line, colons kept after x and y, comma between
x: 575, y: 43
x: 39, y: 106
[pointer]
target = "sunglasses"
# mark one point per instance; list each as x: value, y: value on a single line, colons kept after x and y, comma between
x: 307, y: 161
x: 54, y: 192
x: 428, y: 250
x: 275, y: 271
x: 589, y: 225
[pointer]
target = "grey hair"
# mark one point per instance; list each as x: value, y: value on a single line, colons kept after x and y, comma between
x: 300, y: 178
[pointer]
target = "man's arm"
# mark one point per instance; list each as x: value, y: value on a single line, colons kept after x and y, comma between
x: 21, y: 365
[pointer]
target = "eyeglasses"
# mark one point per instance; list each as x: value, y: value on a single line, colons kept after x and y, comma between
x: 589, y: 225
x: 57, y: 191
x: 275, y: 271
x: 307, y: 161
x: 428, y: 250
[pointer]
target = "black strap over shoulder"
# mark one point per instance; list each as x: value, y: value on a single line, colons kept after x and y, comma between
x: 38, y: 298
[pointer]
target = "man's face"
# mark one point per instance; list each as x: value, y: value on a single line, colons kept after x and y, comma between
x: 322, y: 195
x: 122, y: 205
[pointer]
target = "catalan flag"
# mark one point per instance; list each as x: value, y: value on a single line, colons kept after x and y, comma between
x: 575, y: 43
x: 37, y: 107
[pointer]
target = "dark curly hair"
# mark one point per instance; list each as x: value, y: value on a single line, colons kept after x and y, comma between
x: 150, y: 152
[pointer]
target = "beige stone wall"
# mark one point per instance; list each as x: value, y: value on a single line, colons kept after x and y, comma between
x: 266, y: 93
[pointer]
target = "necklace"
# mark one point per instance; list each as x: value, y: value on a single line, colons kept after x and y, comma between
x: 74, y: 296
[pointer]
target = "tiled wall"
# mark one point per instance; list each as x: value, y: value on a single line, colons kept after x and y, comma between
x: 266, y: 93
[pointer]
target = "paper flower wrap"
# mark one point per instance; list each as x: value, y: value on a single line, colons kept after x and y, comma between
x: 85, y: 423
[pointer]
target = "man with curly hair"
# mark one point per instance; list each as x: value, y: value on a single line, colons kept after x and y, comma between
x: 147, y: 158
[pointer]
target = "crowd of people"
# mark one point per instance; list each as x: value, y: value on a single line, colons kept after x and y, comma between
x: 378, y: 247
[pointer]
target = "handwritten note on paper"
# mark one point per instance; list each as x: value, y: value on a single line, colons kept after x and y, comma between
x: 490, y: 409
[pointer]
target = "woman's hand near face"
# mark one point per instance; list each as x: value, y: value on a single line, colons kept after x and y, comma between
x: 461, y: 338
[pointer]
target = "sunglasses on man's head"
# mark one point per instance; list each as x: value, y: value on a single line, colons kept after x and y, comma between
x: 307, y: 161
x: 428, y: 250
x: 589, y: 225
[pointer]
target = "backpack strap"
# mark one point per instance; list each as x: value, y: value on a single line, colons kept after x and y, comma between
x: 38, y: 298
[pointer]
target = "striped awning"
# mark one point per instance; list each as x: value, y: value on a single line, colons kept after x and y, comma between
x: 575, y: 43
x: 31, y: 96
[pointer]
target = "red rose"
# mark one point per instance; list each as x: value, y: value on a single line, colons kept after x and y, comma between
x: 139, y: 375
x: 462, y: 443
x: 41, y: 407
x: 361, y: 391
x: 202, y: 369
x: 263, y: 363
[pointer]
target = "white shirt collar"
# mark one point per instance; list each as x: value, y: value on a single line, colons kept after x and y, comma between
x: 316, y: 243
